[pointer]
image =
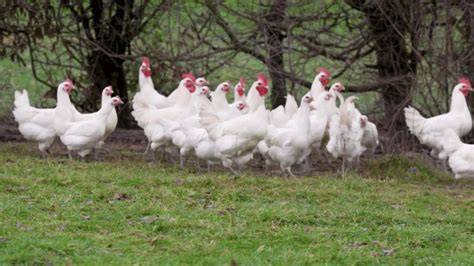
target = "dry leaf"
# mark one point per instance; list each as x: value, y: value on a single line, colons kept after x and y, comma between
x: 120, y: 196
x: 149, y: 219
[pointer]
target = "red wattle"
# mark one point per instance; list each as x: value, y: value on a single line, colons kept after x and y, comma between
x: 147, y: 73
x: 324, y: 82
x: 191, y: 88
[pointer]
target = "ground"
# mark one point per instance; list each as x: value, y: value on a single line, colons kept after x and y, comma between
x: 124, y: 209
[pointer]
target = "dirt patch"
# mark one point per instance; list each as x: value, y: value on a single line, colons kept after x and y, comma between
x: 129, y: 144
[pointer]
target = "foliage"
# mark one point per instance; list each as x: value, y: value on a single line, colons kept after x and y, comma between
x: 404, y: 53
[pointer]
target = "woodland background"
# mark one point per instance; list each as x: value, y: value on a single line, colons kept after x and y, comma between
x: 390, y: 53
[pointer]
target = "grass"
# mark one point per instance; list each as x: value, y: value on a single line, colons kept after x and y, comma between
x: 127, y: 212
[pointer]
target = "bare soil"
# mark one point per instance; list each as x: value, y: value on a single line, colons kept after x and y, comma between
x: 129, y: 144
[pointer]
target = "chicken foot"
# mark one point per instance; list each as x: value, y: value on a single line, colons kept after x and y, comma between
x: 287, y: 171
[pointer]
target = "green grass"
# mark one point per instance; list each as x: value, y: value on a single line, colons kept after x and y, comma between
x: 63, y: 212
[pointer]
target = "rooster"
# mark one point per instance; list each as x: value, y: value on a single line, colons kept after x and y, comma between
x: 37, y: 124
x: 148, y: 96
x: 320, y: 81
x: 458, y: 118
x: 257, y: 93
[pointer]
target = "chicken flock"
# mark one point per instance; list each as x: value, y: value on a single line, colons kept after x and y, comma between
x: 193, y: 120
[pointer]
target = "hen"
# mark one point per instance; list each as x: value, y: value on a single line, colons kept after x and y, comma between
x: 219, y: 101
x: 345, y: 134
x: 235, y: 142
x: 83, y: 136
x: 458, y: 118
x: 288, y: 145
x: 370, y: 135
x: 281, y: 115
x: 149, y: 118
x: 112, y: 119
x: 460, y: 155
x: 37, y: 124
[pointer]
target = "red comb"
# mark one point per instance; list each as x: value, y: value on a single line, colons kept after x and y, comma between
x: 263, y: 79
x: 242, y: 82
x: 465, y: 81
x: 146, y: 60
x: 69, y: 81
x: 189, y: 75
x: 325, y: 71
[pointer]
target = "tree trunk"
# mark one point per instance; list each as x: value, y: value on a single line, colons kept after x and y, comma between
x: 393, y: 33
x: 103, y: 69
x: 274, y: 24
x: 392, y: 60
x: 468, y: 56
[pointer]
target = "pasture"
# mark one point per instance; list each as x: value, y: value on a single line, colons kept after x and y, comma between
x: 125, y: 210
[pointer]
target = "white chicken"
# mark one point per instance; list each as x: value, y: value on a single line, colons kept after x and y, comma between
x: 319, y: 118
x: 370, y: 135
x: 288, y: 145
x: 257, y: 93
x: 281, y: 115
x: 37, y: 124
x: 178, y: 94
x: 197, y: 139
x: 322, y: 109
x: 240, y: 108
x: 148, y: 96
x: 336, y: 89
x: 83, y: 136
x: 219, y: 101
x: 320, y: 81
x: 186, y: 133
x: 458, y: 118
x: 460, y: 155
x: 149, y: 118
x: 345, y: 134
x: 112, y: 119
x: 235, y: 142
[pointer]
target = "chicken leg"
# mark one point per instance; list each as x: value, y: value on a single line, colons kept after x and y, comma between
x: 288, y: 171
x: 147, y: 149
